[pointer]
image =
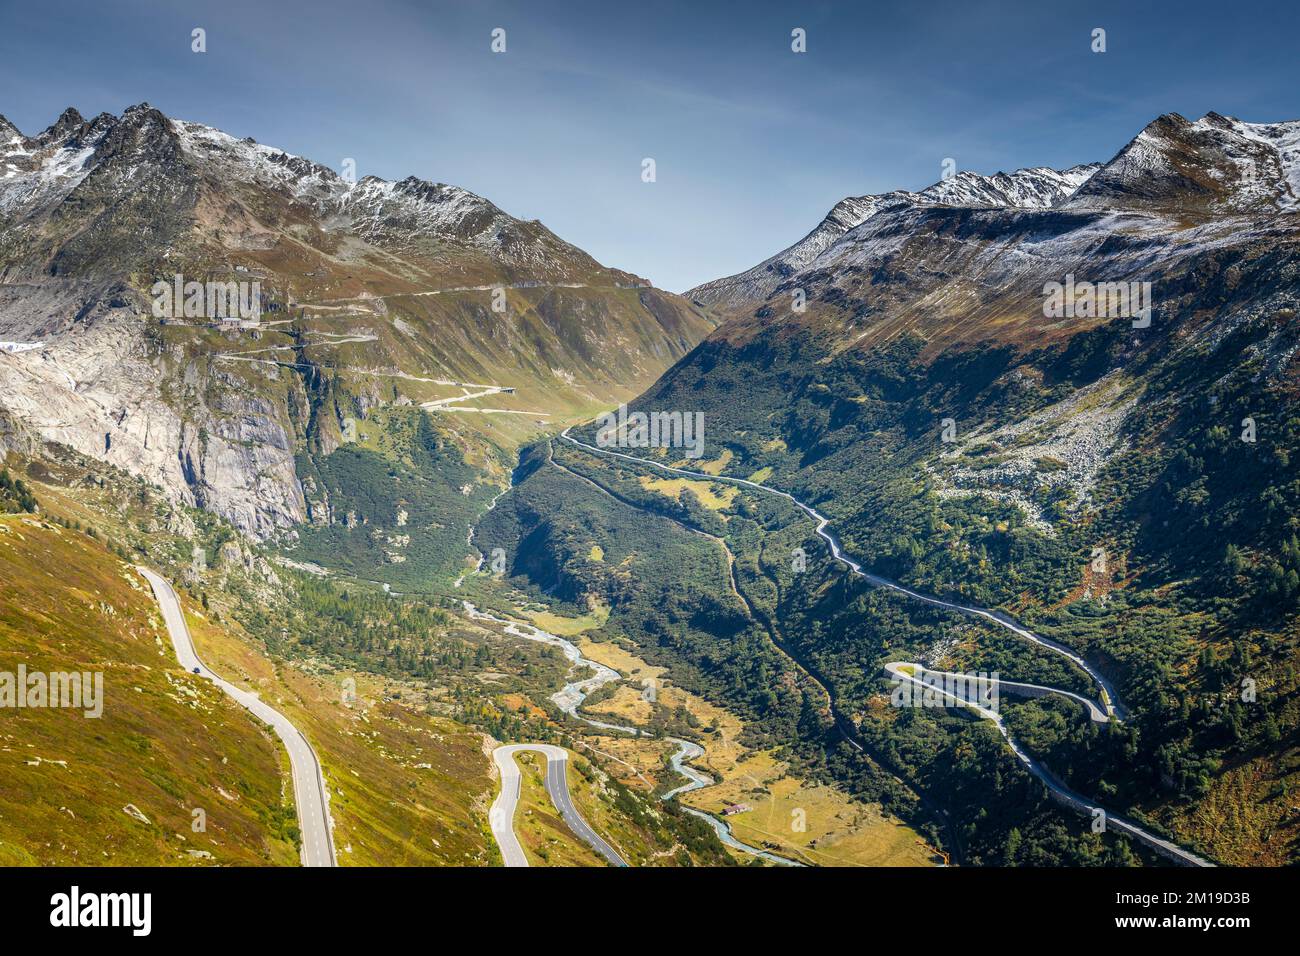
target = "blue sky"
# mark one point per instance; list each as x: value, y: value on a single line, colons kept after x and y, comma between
x: 752, y: 142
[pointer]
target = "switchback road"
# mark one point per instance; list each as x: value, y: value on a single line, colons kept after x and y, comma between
x: 502, y: 815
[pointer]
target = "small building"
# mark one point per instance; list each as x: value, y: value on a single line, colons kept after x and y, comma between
x: 735, y: 808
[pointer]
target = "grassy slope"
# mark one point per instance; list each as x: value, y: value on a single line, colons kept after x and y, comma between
x: 406, y: 788
x: 387, y: 807
x: 167, y: 743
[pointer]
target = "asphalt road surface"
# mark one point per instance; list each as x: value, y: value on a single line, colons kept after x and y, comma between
x: 308, y: 781
x: 502, y: 815
x: 902, y: 671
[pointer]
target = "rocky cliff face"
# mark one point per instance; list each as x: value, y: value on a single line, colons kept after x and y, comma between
x: 374, y: 295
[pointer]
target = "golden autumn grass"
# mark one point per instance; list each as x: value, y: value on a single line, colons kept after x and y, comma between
x: 713, y: 496
x: 1248, y: 817
x: 794, y: 817
x: 568, y: 626
x: 406, y: 788
x: 168, y: 743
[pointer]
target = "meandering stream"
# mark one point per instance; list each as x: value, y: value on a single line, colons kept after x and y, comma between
x: 571, y: 696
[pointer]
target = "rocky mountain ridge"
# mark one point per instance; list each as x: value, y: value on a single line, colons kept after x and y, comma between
x: 1174, y: 178
x: 377, y: 295
x: 1035, y: 188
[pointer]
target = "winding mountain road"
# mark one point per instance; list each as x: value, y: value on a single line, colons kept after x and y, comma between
x: 571, y: 696
x: 1107, y: 692
x: 900, y: 670
x: 502, y: 815
x: 310, y: 794
x: 913, y: 673
x: 1110, y: 705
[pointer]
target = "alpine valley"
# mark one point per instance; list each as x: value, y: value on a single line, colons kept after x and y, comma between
x: 388, y: 514
x: 1122, y: 487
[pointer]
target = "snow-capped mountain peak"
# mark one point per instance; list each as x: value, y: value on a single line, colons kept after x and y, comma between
x: 1175, y: 173
x: 374, y: 207
x: 1037, y: 187
x: 197, y: 172
x: 1192, y: 171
